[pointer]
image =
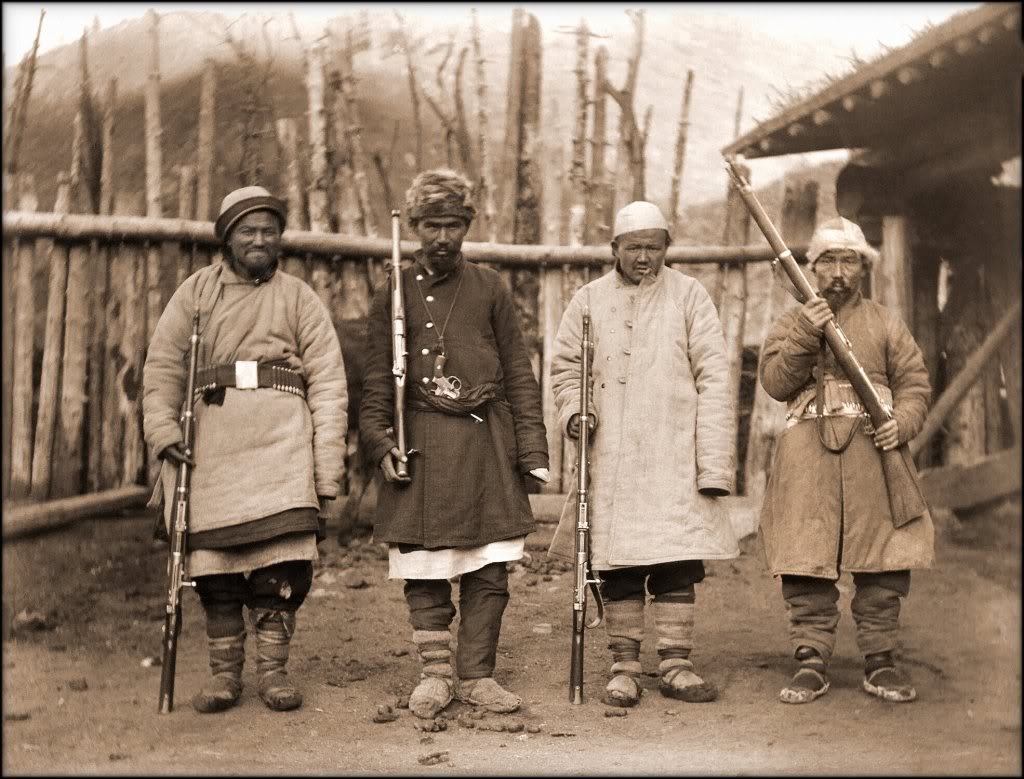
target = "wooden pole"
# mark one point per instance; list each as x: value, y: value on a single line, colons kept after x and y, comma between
x: 891, y: 276
x: 513, y: 129
x: 186, y: 192
x: 99, y: 260
x: 19, y: 114
x: 598, y: 225
x: 204, y: 152
x: 154, y: 162
x: 288, y: 136
x: 767, y: 415
x: 34, y: 518
x: 319, y: 197
x: 129, y: 376
x: 10, y: 254
x: 578, y: 167
x: 49, y: 381
x: 107, y: 165
x: 957, y: 389
x: 485, y: 188
x: 677, y: 168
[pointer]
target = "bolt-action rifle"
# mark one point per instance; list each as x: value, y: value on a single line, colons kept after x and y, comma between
x: 583, y: 576
x: 906, y: 501
x: 398, y: 366
x: 177, y: 575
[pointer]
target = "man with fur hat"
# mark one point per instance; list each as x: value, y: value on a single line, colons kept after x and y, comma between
x: 270, y: 419
x: 827, y: 504
x: 475, y: 433
x: 663, y: 451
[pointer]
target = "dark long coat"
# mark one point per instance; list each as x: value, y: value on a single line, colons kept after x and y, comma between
x: 467, y: 485
x: 824, y: 513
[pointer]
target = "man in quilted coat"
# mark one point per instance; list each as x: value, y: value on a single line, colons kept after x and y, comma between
x: 270, y: 420
x: 663, y: 451
x: 827, y: 502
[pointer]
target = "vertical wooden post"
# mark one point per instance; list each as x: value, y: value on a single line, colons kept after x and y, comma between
x: 154, y: 161
x: 768, y: 416
x: 319, y: 202
x: 598, y: 227
x: 204, y: 151
x: 186, y: 192
x: 485, y: 188
x: 49, y: 381
x: 964, y: 323
x: 513, y: 128
x: 288, y: 138
x: 891, y: 277
x: 578, y: 167
x: 7, y: 322
x: 99, y: 259
x: 20, y: 467
x: 677, y: 169
x: 68, y: 465
x: 129, y: 376
x: 107, y: 166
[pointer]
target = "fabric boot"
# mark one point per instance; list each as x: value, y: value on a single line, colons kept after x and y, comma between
x: 227, y: 655
x: 673, y: 618
x: 810, y: 681
x: 624, y: 624
x: 274, y: 629
x: 437, y: 686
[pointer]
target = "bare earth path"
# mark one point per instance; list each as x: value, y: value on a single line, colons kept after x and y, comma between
x: 78, y: 700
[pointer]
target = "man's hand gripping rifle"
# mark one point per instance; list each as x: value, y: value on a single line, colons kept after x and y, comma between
x: 897, y: 465
x: 177, y: 575
x: 583, y: 576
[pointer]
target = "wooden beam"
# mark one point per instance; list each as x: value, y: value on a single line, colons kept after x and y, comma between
x: 28, y: 518
x: 957, y: 388
x: 965, y: 486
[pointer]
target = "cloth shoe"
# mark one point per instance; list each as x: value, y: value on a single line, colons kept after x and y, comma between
x: 680, y: 682
x: 624, y: 688
x: 883, y: 680
x: 227, y: 656
x: 487, y: 694
x: 437, y: 686
x: 274, y: 630
x: 810, y: 681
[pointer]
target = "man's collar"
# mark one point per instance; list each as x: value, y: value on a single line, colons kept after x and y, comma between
x: 230, y: 276
x: 432, y: 276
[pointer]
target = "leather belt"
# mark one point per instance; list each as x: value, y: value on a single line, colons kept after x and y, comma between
x: 249, y: 374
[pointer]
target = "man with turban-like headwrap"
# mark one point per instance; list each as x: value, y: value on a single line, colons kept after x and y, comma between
x: 475, y: 434
x: 663, y: 452
x: 827, y: 502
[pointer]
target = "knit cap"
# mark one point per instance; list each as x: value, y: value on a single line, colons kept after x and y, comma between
x: 638, y: 215
x: 840, y: 233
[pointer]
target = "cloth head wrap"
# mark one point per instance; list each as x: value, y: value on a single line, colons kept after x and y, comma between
x: 244, y: 201
x: 439, y: 192
x: 638, y: 215
x: 840, y: 233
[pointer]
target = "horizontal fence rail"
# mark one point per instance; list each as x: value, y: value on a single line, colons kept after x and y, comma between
x: 83, y: 293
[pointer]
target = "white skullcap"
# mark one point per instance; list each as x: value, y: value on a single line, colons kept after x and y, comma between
x: 840, y: 233
x: 638, y: 215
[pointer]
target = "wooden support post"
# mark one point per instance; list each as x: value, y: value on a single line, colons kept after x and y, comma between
x: 154, y: 159
x: 129, y: 377
x: 288, y: 137
x: 204, y: 151
x: 107, y: 165
x: 767, y: 415
x: 7, y: 322
x: 21, y: 402
x: 578, y: 165
x: 319, y: 189
x: 186, y: 192
x: 68, y: 465
x: 99, y: 260
x: 677, y: 168
x: 598, y: 225
x: 551, y: 315
x: 486, y: 184
x: 891, y: 276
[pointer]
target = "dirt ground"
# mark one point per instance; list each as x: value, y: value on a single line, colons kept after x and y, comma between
x: 79, y: 696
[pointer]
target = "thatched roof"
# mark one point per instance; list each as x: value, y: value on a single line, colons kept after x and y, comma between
x: 949, y: 67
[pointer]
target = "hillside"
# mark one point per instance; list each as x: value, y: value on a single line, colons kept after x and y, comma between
x: 724, y: 54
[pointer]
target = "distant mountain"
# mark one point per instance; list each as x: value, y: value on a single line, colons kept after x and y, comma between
x: 724, y: 54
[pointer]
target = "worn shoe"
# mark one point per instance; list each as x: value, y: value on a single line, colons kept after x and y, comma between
x: 219, y: 694
x: 487, y: 694
x: 889, y: 684
x: 623, y: 690
x: 431, y: 696
x: 274, y: 630
x: 227, y: 655
x: 680, y: 682
x: 810, y: 681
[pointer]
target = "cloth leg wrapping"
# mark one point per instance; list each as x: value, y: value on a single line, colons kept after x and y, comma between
x: 674, y: 621
x: 624, y: 624
x: 813, y: 612
x: 876, y: 609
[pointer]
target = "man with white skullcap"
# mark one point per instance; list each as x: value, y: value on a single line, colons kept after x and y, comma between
x: 474, y: 420
x: 827, y: 503
x: 270, y: 422
x: 662, y: 455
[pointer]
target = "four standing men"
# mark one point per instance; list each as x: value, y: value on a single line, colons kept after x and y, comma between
x: 269, y: 441
x: 270, y: 431
x: 663, y: 451
x: 827, y: 504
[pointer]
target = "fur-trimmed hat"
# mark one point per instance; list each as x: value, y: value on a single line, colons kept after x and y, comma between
x: 244, y: 201
x: 840, y: 233
x: 639, y: 215
x: 439, y: 192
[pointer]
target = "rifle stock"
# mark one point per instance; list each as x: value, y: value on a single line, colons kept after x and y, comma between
x: 177, y: 576
x: 583, y: 576
x: 905, y: 498
x: 398, y: 348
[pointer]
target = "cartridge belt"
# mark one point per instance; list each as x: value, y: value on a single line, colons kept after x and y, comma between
x: 249, y: 374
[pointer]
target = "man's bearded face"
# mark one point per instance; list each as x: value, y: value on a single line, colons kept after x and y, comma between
x: 441, y: 240
x: 838, y: 273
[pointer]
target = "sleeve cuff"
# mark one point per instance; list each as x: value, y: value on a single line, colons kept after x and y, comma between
x: 715, y: 483
x: 533, y: 460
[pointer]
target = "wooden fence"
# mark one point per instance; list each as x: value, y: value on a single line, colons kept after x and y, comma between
x: 83, y: 293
